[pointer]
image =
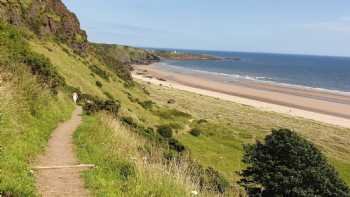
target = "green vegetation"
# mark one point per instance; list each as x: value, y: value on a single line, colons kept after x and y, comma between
x: 98, y: 71
x: 28, y: 112
x: 126, y: 164
x: 195, y: 132
x: 225, y: 127
x: 119, y: 57
x: 288, y: 165
x: 145, y: 140
x: 165, y: 131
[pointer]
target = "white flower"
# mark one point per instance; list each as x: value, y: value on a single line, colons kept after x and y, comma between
x: 194, y: 193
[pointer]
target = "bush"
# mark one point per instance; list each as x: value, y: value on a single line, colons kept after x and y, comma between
x: 99, y: 84
x: 127, y: 120
x: 196, y: 132
x: 288, y: 165
x: 147, y: 104
x: 209, y: 178
x: 165, y: 131
x: 98, y: 71
x: 176, y: 145
x: 126, y: 170
x: 93, y: 104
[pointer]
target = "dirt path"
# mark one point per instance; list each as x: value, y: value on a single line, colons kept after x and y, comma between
x: 60, y: 152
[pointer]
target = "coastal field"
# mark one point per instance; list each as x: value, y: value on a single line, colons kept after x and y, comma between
x: 226, y: 126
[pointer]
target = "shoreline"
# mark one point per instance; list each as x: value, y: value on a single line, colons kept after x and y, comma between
x: 316, y: 105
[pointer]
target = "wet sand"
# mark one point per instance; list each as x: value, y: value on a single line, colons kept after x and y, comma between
x: 323, y: 106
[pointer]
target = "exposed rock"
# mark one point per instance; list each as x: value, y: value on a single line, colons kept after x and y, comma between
x: 46, y: 18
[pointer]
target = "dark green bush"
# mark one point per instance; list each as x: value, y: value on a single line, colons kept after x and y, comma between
x: 288, y: 165
x: 99, y: 84
x: 196, y: 132
x: 98, y: 71
x: 165, y: 131
x: 127, y: 120
x: 126, y: 170
x: 174, y: 144
x: 92, y: 104
x: 147, y: 104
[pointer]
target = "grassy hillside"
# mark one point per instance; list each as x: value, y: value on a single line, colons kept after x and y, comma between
x: 28, y: 114
x: 147, y: 149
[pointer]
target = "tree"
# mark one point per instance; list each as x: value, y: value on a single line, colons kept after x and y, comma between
x: 288, y: 165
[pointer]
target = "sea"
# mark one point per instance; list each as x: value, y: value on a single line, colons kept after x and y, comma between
x: 319, y: 72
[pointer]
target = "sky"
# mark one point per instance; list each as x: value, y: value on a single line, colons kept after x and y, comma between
x: 319, y: 27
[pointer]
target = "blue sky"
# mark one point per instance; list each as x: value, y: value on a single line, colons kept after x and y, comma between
x: 298, y: 26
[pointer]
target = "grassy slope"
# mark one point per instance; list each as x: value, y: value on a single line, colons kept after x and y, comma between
x: 97, y: 145
x: 24, y: 134
x: 28, y: 114
x: 122, y: 169
x: 231, y: 125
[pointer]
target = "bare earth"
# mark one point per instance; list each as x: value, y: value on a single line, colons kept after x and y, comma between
x: 60, y: 152
x: 321, y: 106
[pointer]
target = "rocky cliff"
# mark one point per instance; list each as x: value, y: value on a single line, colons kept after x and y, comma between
x: 46, y: 18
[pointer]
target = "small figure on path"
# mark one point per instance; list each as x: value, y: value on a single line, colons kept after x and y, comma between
x: 75, y: 97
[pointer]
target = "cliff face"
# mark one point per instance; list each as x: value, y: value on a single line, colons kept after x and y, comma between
x: 46, y: 18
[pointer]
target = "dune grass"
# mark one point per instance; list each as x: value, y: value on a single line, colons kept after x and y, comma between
x: 230, y: 125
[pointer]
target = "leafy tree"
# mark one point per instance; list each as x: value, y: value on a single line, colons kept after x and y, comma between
x: 288, y: 165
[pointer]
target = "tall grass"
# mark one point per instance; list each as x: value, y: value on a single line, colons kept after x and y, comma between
x: 127, y: 164
x: 28, y: 114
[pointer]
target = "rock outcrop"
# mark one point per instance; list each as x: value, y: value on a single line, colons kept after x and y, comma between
x: 46, y: 18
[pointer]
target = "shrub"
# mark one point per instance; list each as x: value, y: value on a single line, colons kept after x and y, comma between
x: 99, y: 84
x: 196, y: 132
x: 93, y: 104
x: 127, y: 120
x: 165, y: 131
x: 176, y: 145
x: 126, y: 170
x: 147, y: 104
x: 288, y: 165
x: 98, y: 71
x: 209, y: 178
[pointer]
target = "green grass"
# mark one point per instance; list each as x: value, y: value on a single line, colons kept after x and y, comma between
x: 28, y: 115
x: 230, y: 125
x: 114, y: 149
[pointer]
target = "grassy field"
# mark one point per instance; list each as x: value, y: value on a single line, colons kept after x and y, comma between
x: 230, y: 125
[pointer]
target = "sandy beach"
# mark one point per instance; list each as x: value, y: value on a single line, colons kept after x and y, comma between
x: 322, y: 106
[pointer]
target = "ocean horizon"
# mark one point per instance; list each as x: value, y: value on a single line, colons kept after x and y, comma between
x: 327, y: 73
